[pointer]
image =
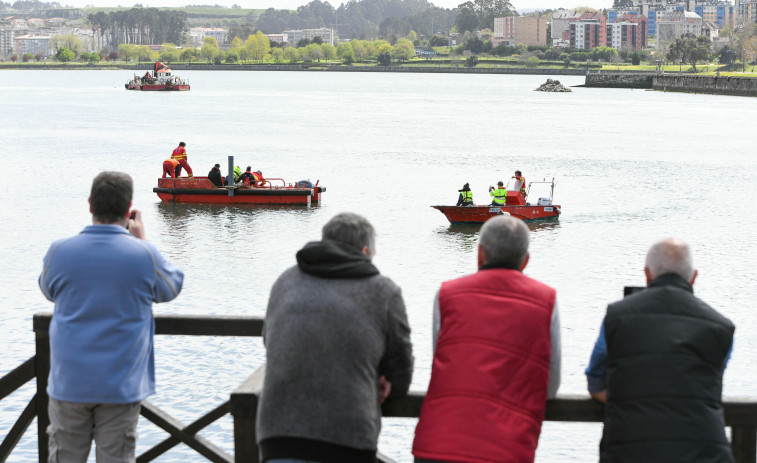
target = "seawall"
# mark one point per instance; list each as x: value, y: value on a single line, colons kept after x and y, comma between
x: 673, y: 82
x: 312, y: 67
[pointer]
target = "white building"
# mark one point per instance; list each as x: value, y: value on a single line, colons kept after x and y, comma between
x: 6, y: 41
x: 295, y: 35
x: 198, y: 34
x: 281, y: 39
x: 560, y: 32
x: 33, y: 44
x: 675, y: 24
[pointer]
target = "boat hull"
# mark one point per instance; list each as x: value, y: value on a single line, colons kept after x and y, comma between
x: 201, y: 190
x: 480, y: 214
x: 157, y: 87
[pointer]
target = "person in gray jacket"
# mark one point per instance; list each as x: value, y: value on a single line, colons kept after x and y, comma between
x: 338, y: 343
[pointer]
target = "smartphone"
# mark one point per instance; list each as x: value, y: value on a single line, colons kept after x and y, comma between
x: 131, y: 217
x: 628, y: 290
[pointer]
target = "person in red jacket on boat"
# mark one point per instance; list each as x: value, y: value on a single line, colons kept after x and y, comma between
x: 259, y: 180
x: 169, y: 167
x: 180, y: 154
x: 496, y: 339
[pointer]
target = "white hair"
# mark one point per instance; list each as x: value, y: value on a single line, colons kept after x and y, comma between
x: 352, y: 229
x: 670, y: 255
x: 504, y: 240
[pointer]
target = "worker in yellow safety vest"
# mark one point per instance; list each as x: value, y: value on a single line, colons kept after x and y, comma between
x: 499, y: 194
x: 466, y: 196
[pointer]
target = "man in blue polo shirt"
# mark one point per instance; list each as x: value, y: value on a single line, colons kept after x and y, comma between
x: 103, y: 283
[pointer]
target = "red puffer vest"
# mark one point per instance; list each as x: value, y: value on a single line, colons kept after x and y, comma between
x: 488, y: 390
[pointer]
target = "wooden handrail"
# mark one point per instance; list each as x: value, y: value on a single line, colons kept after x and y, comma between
x: 740, y: 415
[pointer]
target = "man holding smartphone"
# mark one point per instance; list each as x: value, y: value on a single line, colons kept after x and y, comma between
x: 658, y: 364
x: 103, y: 283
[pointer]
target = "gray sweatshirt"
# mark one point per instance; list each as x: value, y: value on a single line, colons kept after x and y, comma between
x: 328, y: 340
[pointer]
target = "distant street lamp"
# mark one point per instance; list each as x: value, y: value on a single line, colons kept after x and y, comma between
x: 680, y: 64
x: 743, y: 65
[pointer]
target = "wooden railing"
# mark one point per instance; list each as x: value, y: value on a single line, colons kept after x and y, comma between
x: 39, y: 367
x: 740, y: 416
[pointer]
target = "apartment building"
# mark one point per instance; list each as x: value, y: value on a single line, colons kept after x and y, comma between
x: 675, y: 24
x: 588, y: 31
x: 628, y: 31
x: 33, y: 44
x: 512, y: 30
x: 198, y: 34
x: 295, y: 35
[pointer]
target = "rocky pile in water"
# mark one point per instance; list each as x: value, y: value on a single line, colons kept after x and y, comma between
x: 552, y: 86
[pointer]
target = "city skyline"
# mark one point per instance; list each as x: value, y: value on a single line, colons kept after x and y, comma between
x: 528, y: 5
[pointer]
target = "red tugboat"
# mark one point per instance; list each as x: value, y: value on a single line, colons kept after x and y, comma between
x: 202, y: 190
x: 160, y: 80
x: 515, y: 206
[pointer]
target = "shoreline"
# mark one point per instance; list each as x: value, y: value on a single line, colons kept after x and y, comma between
x: 595, y: 78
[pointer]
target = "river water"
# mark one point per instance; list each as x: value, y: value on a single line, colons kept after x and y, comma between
x: 630, y: 166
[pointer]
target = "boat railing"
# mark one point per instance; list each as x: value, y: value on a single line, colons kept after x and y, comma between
x: 740, y: 415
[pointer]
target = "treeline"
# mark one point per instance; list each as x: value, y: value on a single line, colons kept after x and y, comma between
x: 388, y: 19
x: 361, y: 19
x: 140, y: 25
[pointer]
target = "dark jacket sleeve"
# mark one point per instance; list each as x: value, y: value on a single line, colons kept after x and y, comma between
x: 397, y: 363
x: 459, y: 199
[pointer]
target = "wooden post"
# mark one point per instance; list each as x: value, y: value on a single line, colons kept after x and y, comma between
x: 243, y: 406
x: 744, y: 444
x: 41, y: 325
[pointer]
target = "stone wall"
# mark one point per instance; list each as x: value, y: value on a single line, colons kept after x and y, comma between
x: 738, y: 86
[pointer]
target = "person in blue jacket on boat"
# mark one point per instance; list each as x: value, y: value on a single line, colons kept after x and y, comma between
x: 103, y: 282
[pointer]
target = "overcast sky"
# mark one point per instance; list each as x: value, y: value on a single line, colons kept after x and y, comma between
x: 293, y: 4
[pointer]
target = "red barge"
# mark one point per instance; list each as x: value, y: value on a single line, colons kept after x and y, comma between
x: 160, y: 80
x: 515, y: 206
x: 202, y: 190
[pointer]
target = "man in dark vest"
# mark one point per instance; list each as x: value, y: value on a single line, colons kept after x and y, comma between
x: 658, y: 364
x: 496, y: 357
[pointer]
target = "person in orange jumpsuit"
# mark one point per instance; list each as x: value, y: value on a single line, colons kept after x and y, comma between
x: 180, y: 154
x: 259, y: 180
x: 169, y: 167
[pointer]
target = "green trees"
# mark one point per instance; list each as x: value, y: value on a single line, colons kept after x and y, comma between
x: 480, y: 14
x: 256, y: 47
x: 140, y: 26
x: 384, y: 59
x: 64, y: 55
x: 69, y: 41
x: 169, y: 53
x: 209, y: 49
x: 689, y: 49
x: 345, y: 52
x: 403, y: 50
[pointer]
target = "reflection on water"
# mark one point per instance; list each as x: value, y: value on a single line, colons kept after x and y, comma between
x: 466, y: 234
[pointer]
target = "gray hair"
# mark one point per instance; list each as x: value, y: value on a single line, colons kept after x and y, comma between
x: 670, y: 255
x: 352, y: 229
x: 504, y: 240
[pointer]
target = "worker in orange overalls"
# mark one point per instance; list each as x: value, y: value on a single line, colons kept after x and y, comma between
x: 169, y: 167
x: 180, y: 154
x: 259, y: 180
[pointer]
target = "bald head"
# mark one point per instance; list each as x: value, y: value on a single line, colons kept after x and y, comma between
x: 670, y: 255
x: 504, y: 241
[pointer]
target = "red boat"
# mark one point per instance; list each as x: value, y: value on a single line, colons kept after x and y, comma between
x: 202, y: 190
x: 160, y: 80
x: 515, y: 206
